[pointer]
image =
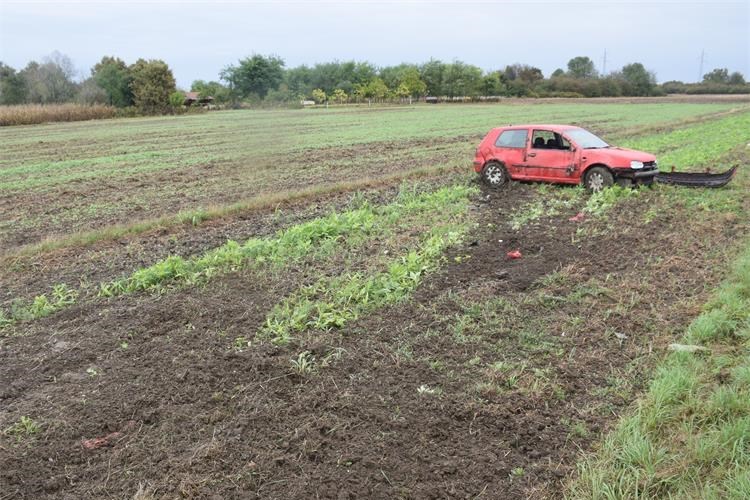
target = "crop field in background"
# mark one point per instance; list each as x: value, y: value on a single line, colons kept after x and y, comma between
x: 72, y: 177
x: 319, y: 304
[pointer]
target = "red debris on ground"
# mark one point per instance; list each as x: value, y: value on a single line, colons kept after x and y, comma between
x: 94, y: 443
x: 514, y: 254
x: 578, y: 217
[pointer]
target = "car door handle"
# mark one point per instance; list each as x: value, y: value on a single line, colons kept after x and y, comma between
x: 532, y: 154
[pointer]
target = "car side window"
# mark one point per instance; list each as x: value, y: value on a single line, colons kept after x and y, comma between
x: 512, y: 139
x: 543, y: 139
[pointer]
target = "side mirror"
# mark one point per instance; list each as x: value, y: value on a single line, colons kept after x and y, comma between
x: 572, y: 149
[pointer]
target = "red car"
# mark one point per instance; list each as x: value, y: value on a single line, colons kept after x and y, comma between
x: 559, y: 153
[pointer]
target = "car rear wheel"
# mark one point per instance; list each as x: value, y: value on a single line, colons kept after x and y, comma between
x: 598, y: 178
x: 495, y: 175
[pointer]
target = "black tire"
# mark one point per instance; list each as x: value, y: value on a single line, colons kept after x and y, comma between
x: 598, y: 178
x: 495, y: 175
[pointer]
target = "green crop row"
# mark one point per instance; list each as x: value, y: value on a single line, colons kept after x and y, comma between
x: 319, y: 236
x: 62, y: 296
x: 314, y: 239
x: 332, y: 302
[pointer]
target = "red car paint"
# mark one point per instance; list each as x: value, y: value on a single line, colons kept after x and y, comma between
x: 566, y: 160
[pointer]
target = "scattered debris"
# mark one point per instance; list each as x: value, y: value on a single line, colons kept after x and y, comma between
x: 514, y: 254
x: 95, y: 443
x: 578, y: 217
x: 687, y: 348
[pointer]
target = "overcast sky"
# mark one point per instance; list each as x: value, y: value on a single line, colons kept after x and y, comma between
x: 198, y: 38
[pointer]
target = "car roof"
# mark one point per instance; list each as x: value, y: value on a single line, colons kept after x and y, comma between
x: 547, y: 126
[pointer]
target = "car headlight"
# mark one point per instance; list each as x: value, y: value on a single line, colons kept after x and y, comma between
x: 636, y: 164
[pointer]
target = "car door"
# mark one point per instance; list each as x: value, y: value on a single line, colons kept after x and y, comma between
x: 510, y: 148
x: 549, y: 157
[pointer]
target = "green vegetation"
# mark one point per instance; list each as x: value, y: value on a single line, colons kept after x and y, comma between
x: 264, y: 79
x: 549, y: 201
x: 41, y: 306
x: 332, y: 302
x: 688, y: 436
x: 316, y: 239
x: 222, y: 162
x: 319, y: 236
x: 697, y: 146
x: 26, y: 427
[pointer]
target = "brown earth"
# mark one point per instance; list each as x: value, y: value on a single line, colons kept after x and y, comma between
x: 152, y: 396
x: 32, y: 275
x: 143, y: 196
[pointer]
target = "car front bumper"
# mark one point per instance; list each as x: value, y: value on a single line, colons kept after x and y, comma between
x: 641, y: 175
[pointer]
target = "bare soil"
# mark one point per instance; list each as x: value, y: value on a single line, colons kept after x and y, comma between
x: 152, y: 396
x: 104, y: 201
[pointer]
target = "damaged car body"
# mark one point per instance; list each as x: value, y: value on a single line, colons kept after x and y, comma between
x: 568, y: 154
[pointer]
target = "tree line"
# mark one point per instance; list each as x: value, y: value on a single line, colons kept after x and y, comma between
x: 148, y: 86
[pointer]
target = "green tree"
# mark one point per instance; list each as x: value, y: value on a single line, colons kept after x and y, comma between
x: 402, y: 91
x: 736, y: 78
x: 461, y: 79
x: 219, y: 92
x: 177, y: 99
x: 431, y: 73
x: 557, y: 73
x: 638, y: 80
x: 12, y: 86
x: 523, y: 72
x: 376, y: 89
x: 113, y: 76
x: 254, y: 75
x: 493, y: 85
x: 319, y: 96
x: 581, y: 67
x: 410, y: 78
x: 718, y: 75
x: 340, y: 96
x: 152, y: 85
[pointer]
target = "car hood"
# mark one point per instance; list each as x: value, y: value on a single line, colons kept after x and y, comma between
x: 618, y: 157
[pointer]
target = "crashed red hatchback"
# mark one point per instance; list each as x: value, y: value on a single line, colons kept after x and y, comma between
x: 559, y: 153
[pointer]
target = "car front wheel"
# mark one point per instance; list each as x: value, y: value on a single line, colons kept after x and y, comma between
x: 598, y: 178
x: 495, y: 175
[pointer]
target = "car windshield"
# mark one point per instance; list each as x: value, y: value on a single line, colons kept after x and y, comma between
x: 586, y: 139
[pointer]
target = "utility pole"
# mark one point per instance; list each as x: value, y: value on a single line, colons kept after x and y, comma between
x: 700, y: 68
x: 604, y: 63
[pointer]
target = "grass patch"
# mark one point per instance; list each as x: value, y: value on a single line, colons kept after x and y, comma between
x: 25, y: 428
x: 332, y: 302
x: 41, y: 306
x: 551, y: 201
x: 689, y: 436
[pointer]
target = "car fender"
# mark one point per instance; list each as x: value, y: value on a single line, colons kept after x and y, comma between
x: 589, y: 167
x: 492, y: 160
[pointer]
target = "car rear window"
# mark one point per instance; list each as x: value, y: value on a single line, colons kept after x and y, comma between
x: 512, y: 139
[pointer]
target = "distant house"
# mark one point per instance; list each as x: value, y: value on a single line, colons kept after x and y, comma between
x: 195, y: 98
